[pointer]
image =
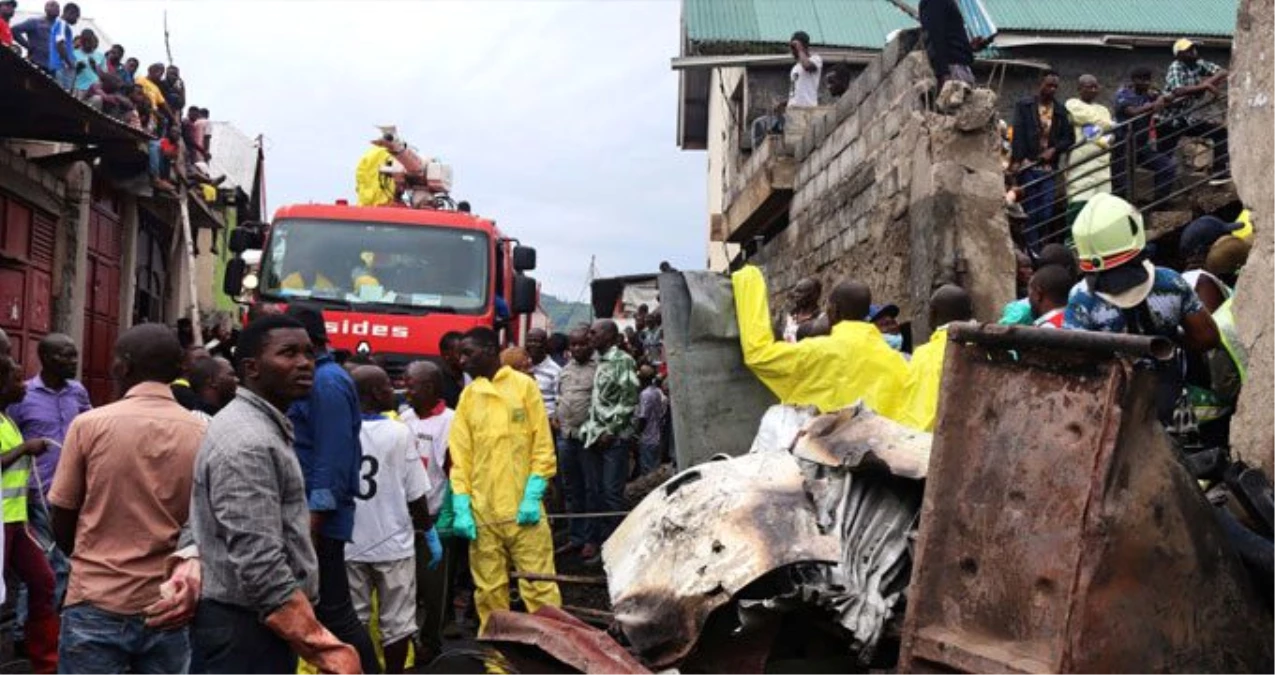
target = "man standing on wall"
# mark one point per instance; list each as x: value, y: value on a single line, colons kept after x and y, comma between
x: 950, y: 50
x: 807, y: 73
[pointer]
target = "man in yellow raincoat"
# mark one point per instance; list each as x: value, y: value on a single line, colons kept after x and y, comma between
x: 502, y: 459
x: 829, y: 372
x: 925, y: 372
x: 1090, y: 171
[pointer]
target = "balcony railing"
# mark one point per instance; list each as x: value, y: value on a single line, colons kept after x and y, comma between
x: 1133, y: 148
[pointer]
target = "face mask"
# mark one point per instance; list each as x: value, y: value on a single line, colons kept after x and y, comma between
x: 895, y: 341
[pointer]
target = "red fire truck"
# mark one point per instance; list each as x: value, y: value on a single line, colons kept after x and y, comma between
x: 394, y: 277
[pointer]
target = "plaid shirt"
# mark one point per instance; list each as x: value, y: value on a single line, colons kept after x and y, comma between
x: 248, y: 509
x: 615, y: 398
x: 1182, y: 75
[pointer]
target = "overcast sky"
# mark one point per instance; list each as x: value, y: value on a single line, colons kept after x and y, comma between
x: 559, y: 118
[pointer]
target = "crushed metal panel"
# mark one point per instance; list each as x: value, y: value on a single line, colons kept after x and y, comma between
x: 565, y: 638
x: 1059, y: 533
x: 856, y: 438
x: 698, y: 539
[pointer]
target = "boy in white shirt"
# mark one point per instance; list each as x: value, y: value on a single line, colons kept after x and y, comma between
x: 393, y: 488
x: 430, y: 420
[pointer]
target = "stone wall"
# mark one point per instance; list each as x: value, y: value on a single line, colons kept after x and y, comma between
x: 1252, y: 162
x: 897, y: 196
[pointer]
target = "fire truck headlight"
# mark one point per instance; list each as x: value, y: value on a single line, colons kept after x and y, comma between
x: 250, y: 281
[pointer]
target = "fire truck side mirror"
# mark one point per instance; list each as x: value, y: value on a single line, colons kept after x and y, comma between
x: 232, y: 282
x: 524, y: 258
x: 524, y: 301
x: 248, y: 236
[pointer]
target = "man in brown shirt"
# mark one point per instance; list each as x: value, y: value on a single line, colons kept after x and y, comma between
x: 119, y: 500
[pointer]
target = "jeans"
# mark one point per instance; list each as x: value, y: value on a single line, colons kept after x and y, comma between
x: 97, y: 641
x: 42, y: 528
x: 648, y: 457
x: 606, y: 467
x: 335, y: 609
x: 1038, y: 202
x: 66, y: 78
x: 229, y: 639
x: 159, y: 164
x: 575, y: 487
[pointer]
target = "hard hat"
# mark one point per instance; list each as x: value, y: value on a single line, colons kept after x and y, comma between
x: 1109, y: 235
x: 1182, y: 45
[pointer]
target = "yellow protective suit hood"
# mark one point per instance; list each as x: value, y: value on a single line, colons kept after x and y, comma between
x: 372, y: 187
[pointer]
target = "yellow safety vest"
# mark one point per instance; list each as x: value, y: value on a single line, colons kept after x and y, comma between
x: 14, y: 483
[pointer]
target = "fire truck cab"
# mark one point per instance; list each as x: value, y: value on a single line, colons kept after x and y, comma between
x: 391, y: 280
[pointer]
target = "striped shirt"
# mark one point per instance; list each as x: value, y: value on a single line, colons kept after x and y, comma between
x: 547, y: 373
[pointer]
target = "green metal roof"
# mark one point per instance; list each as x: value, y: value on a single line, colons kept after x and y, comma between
x: 866, y: 23
x: 830, y: 23
x: 1191, y: 18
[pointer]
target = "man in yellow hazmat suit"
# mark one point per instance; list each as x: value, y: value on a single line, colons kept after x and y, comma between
x: 829, y: 372
x: 921, y: 393
x: 502, y: 459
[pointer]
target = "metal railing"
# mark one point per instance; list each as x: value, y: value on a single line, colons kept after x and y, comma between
x: 1149, y: 142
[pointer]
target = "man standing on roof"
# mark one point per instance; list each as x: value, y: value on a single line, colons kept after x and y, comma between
x: 1123, y: 292
x: 950, y: 49
x: 807, y: 73
x: 7, y: 8
x: 62, y: 46
x: 33, y: 34
x: 1191, y: 80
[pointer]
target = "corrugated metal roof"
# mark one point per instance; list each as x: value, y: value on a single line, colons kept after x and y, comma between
x: 866, y: 23
x: 1197, y: 18
x: 830, y: 23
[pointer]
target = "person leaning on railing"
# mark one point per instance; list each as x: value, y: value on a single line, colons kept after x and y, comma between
x: 1136, y: 103
x: 1190, y: 80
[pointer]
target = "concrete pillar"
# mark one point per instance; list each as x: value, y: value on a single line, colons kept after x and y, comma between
x: 1250, y: 118
x: 128, y: 261
x: 71, y: 251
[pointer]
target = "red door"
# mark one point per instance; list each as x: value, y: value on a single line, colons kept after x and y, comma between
x: 26, y: 269
x: 102, y: 302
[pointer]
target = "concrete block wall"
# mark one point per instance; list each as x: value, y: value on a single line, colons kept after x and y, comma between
x: 896, y: 196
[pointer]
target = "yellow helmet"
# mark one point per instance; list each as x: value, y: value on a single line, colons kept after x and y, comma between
x: 1108, y: 233
x: 1246, y: 220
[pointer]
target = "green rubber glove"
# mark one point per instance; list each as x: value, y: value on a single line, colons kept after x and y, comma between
x: 532, y: 495
x: 443, y: 522
x: 463, y: 520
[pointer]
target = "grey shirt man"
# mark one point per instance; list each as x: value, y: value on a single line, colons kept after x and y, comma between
x: 575, y: 393
x: 248, y: 513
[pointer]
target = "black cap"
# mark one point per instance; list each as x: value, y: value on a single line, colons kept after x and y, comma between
x: 1199, y: 235
x: 311, y: 317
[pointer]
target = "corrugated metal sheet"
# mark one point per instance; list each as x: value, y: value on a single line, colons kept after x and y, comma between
x: 831, y: 23
x: 235, y: 155
x: 1197, y: 18
x: 866, y: 23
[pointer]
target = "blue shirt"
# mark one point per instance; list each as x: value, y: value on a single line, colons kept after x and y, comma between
x: 1128, y: 97
x: 1171, y: 299
x: 47, y: 413
x: 327, y: 442
x: 62, y: 28
x: 86, y: 77
x: 34, y: 35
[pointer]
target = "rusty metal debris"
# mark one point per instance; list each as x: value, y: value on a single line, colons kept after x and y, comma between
x: 700, y: 538
x: 1059, y: 531
x: 563, y: 637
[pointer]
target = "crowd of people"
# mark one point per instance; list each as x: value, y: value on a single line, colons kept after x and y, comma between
x: 153, y: 101
x: 1060, y: 154
x: 854, y: 350
x: 281, y: 497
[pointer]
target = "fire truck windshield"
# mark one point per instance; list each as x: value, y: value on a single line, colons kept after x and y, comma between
x: 406, y: 267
